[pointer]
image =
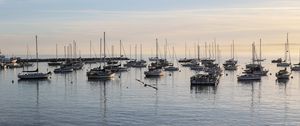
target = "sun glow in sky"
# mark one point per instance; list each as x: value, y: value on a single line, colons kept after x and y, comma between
x: 141, y: 21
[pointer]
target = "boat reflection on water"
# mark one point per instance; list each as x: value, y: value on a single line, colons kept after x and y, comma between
x: 249, y: 82
x: 100, y: 79
x: 102, y: 84
x: 202, y: 89
x: 35, y: 84
x: 282, y: 81
x: 34, y: 81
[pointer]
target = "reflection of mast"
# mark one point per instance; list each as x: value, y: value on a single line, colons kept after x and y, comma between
x: 37, y: 93
x: 156, y: 96
x: 103, y: 99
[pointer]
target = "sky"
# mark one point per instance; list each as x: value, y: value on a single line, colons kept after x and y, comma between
x: 142, y: 21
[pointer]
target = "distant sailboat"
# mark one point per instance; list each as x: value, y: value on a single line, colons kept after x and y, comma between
x: 26, y: 63
x: 155, y: 69
x: 172, y: 68
x: 101, y: 73
x: 230, y: 64
x: 34, y: 74
x: 141, y: 63
x: 91, y: 61
x: 283, y: 74
x: 286, y: 63
x: 55, y: 62
x: 296, y: 67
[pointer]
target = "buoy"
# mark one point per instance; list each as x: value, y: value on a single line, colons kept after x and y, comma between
x: 12, y: 81
x: 71, y: 82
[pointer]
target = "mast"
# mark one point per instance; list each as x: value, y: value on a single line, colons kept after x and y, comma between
x: 74, y: 49
x: 198, y: 51
x: 65, y: 53
x: 299, y: 56
x: 130, y: 51
x: 205, y: 50
x: 100, y: 48
x: 156, y: 55
x: 26, y: 51
x: 253, y: 52
x: 166, y: 49
x: 120, y: 48
x: 37, y: 54
x: 156, y: 50
x: 173, y: 56
x: 260, y: 51
x: 135, y: 50
x: 71, y: 56
x: 209, y: 51
x: 112, y: 51
x: 215, y: 48
x: 104, y: 46
x: 55, y: 52
x: 233, y: 49
x: 141, y: 55
x: 90, y: 48
x: 185, y: 50
x: 195, y: 50
x: 288, y: 47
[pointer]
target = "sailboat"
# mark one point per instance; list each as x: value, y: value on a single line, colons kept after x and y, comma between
x: 254, y: 71
x: 155, y: 69
x: 34, y: 74
x: 101, y: 73
x: 64, y: 67
x: 230, y: 64
x: 26, y: 63
x: 285, y: 63
x: 255, y: 67
x: 55, y: 62
x: 283, y: 74
x: 91, y: 61
x: 194, y: 64
x: 185, y: 59
x: 172, y: 68
x: 296, y: 67
x: 141, y: 63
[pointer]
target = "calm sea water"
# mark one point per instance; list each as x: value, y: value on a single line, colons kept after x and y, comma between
x: 70, y: 99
